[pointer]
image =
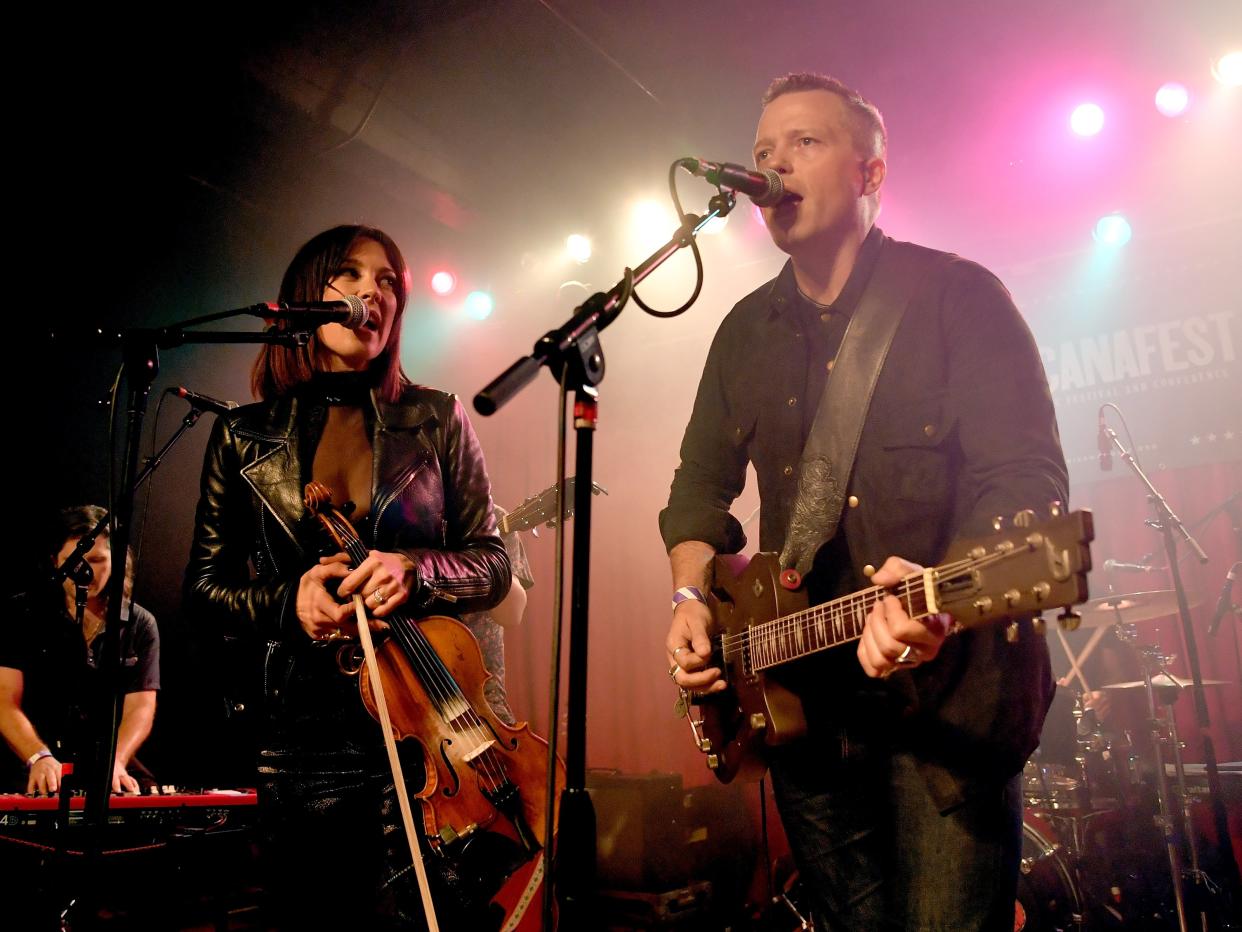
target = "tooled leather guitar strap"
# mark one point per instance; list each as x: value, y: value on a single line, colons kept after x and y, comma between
x: 828, y: 458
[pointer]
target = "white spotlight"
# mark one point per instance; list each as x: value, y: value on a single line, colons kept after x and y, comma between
x: 578, y: 247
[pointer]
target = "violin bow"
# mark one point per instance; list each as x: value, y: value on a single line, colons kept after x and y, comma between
x: 390, y: 744
x: 318, y: 501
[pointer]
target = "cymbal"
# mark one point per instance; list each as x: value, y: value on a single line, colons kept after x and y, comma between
x: 1163, y: 681
x: 1129, y: 608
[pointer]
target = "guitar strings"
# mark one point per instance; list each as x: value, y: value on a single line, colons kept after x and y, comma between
x: 907, y: 586
x: 766, y: 636
x: 442, y: 688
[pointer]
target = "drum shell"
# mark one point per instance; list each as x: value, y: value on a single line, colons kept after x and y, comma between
x: 1048, y: 897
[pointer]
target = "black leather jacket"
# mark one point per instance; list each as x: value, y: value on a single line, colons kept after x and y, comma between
x: 431, y: 500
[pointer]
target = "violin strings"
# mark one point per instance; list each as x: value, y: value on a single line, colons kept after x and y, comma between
x: 441, y: 687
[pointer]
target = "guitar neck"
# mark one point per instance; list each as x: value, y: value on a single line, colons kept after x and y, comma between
x: 830, y: 624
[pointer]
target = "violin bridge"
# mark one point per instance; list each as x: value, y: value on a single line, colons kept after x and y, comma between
x: 485, y: 746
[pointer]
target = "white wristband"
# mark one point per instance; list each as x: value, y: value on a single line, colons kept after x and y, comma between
x: 37, y: 756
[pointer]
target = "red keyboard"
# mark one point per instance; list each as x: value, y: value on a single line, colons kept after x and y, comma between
x: 213, y: 799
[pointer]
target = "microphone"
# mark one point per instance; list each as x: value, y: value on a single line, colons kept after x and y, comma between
x: 1224, y: 604
x: 765, y: 188
x: 203, y: 402
x: 1105, y: 444
x: 351, y: 311
x: 1130, y: 567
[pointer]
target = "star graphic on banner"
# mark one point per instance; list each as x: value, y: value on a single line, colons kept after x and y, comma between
x: 1228, y: 435
x: 1211, y: 438
x: 1194, y: 441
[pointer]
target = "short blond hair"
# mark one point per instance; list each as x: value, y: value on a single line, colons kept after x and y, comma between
x: 866, y: 122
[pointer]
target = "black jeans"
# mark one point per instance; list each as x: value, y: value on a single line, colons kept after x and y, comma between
x: 333, y: 845
x: 875, y: 852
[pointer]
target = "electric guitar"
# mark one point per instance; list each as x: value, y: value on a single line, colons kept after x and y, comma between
x: 760, y: 621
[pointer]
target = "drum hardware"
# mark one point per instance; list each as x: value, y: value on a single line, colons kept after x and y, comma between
x: 1162, y: 689
x: 1130, y: 608
x: 1099, y: 861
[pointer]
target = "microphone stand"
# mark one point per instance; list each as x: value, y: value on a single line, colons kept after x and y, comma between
x: 573, y: 351
x: 72, y: 564
x: 1172, y: 529
x: 140, y: 363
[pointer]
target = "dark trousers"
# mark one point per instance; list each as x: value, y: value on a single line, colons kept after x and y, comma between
x: 875, y: 853
x: 332, y: 843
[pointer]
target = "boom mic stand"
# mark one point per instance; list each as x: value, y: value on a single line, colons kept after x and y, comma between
x: 1172, y: 529
x: 573, y: 353
x: 140, y: 364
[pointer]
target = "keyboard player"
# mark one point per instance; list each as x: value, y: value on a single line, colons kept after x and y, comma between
x: 50, y: 636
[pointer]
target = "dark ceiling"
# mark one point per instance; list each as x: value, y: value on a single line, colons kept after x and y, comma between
x: 170, y: 162
x: 230, y: 131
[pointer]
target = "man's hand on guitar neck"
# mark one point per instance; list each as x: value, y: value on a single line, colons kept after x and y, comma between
x: 892, y: 640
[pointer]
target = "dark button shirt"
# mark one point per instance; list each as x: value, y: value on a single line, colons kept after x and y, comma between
x: 60, y: 682
x: 960, y: 428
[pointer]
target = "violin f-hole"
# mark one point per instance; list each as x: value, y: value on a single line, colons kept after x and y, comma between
x: 448, y: 765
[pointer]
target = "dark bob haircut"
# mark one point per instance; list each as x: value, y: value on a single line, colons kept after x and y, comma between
x: 280, y: 369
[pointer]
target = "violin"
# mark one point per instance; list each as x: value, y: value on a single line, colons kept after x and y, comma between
x: 483, y: 804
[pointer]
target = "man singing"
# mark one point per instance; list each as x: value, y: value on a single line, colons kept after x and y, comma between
x: 902, y: 803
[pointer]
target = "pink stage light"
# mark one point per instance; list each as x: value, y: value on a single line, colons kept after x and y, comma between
x: 1087, y: 119
x: 1172, y: 99
x: 443, y: 282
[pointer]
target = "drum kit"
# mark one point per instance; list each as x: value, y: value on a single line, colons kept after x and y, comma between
x: 1108, y: 841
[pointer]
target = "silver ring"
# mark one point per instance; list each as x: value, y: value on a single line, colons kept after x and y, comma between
x: 908, y: 657
x: 378, y: 597
x: 672, y: 672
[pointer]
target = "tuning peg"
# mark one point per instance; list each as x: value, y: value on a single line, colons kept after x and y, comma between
x: 1069, y: 620
x: 1024, y: 518
x: 1011, y: 632
x: 1055, y: 507
x: 998, y: 522
x: 1039, y: 626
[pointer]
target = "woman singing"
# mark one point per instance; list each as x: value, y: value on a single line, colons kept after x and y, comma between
x: 340, y: 411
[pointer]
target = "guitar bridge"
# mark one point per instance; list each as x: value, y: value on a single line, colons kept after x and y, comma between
x: 689, y: 701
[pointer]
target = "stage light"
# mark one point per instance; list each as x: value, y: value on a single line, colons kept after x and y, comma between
x: 578, y: 247
x: 1112, y: 231
x: 1228, y: 69
x: 652, y: 223
x: 479, y: 305
x: 1087, y: 119
x: 1172, y: 99
x: 443, y: 282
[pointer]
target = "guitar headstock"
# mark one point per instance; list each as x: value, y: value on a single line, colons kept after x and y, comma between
x: 1031, y: 567
x: 541, y: 509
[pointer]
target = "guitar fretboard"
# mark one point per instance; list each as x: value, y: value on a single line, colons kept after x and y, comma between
x: 823, y: 626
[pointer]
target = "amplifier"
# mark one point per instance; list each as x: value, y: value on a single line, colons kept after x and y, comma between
x: 654, y: 836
